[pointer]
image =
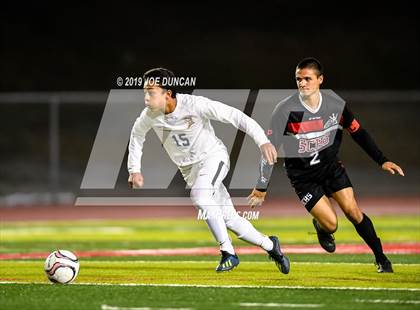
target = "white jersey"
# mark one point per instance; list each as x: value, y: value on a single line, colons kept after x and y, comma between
x: 186, y: 133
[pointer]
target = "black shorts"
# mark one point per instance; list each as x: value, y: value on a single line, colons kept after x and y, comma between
x: 326, y: 180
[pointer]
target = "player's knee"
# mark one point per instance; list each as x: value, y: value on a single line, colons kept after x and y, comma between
x: 232, y: 221
x: 230, y: 224
x: 239, y: 226
x: 201, y: 198
x: 330, y: 225
x: 332, y: 228
x: 354, y: 215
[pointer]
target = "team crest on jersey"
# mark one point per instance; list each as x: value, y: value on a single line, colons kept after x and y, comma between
x: 189, y: 121
x: 332, y: 120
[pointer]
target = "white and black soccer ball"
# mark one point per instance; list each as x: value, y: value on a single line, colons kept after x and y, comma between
x: 61, y: 266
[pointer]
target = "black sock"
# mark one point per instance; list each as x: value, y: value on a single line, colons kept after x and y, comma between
x: 366, y: 230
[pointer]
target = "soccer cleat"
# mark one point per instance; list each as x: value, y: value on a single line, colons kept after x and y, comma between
x: 282, y: 261
x: 325, y: 239
x: 385, y: 266
x: 227, y: 262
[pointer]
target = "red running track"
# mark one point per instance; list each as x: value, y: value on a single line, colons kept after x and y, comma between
x: 389, y: 248
x: 271, y: 208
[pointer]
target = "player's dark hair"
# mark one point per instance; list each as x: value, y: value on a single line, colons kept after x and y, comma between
x: 161, y: 73
x: 311, y: 63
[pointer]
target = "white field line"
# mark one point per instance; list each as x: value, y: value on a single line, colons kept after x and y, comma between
x: 340, y: 288
x: 107, y: 307
x: 276, y: 305
x: 387, y: 301
x: 205, y: 262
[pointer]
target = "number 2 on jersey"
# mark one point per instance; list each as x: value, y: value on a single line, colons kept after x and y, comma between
x: 315, y: 159
x: 182, y: 140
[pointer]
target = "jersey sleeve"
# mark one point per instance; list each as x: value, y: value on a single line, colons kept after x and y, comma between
x: 362, y: 137
x: 275, y: 133
x: 265, y: 172
x: 135, y: 148
x: 277, y: 130
x: 349, y: 122
x: 215, y: 110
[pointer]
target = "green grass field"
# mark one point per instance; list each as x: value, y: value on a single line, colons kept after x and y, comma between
x: 330, y: 281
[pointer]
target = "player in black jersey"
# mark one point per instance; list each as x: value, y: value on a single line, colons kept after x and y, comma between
x: 307, y: 129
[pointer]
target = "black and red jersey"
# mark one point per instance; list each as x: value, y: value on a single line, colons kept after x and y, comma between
x: 310, y: 139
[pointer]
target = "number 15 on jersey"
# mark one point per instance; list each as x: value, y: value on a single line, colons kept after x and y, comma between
x: 181, y: 139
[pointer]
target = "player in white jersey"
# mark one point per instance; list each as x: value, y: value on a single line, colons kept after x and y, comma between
x: 182, y: 123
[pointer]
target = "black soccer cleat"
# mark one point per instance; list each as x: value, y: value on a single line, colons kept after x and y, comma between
x: 385, y: 266
x: 282, y: 261
x: 325, y: 239
x: 227, y: 262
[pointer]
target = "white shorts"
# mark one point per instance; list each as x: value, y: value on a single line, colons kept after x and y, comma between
x: 207, y: 173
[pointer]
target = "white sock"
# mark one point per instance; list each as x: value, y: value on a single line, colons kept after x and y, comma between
x: 240, y: 226
x: 218, y: 228
x: 267, y: 244
x: 247, y: 232
x: 227, y: 246
x: 204, y: 201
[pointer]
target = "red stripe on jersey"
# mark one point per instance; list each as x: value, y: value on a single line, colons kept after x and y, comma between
x: 354, y: 126
x: 308, y: 126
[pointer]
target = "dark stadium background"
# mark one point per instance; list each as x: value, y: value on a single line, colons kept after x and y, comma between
x: 373, y: 56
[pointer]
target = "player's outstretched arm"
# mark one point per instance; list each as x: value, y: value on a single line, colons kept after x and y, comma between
x: 363, y: 138
x: 221, y: 112
x: 135, y: 180
x: 392, y: 168
x: 269, y: 151
x: 135, y: 150
x: 257, y: 196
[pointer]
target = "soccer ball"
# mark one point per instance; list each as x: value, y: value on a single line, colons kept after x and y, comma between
x: 61, y: 266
